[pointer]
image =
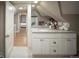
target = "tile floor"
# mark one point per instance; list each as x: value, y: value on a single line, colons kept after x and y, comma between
x: 20, y: 52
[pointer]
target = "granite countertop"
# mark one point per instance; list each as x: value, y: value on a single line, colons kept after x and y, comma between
x: 48, y: 30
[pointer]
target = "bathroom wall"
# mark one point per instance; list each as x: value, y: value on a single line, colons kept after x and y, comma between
x: 70, y: 12
x: 2, y: 28
x: 50, y: 8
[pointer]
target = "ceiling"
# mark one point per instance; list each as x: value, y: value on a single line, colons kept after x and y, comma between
x: 21, y: 4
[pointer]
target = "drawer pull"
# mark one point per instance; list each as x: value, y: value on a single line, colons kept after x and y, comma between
x: 54, y: 42
x: 54, y: 50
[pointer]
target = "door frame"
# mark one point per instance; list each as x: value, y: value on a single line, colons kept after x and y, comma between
x: 28, y: 20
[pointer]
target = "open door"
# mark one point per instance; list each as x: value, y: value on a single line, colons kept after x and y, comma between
x: 9, y: 28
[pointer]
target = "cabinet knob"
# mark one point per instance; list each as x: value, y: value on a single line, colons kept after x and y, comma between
x: 54, y: 50
x: 54, y: 42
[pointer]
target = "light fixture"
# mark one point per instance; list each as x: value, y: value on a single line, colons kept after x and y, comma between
x: 35, y: 1
x: 20, y: 8
x: 33, y: 5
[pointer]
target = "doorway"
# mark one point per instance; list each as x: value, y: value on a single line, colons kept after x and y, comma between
x: 17, y: 30
x: 21, y: 33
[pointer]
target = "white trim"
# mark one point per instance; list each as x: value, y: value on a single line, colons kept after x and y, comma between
x: 29, y: 25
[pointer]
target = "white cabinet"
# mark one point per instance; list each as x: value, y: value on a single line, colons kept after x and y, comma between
x: 36, y: 46
x: 44, y: 46
x: 40, y: 46
x: 64, y: 46
x: 54, y: 44
x: 70, y: 45
x: 56, y: 47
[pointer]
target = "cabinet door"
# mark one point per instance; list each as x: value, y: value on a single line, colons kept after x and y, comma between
x: 44, y: 46
x: 36, y: 46
x: 62, y: 46
x: 70, y: 45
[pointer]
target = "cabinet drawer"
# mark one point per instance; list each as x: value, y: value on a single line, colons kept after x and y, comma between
x: 55, y: 42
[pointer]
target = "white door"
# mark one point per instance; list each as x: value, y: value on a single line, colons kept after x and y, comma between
x: 9, y: 28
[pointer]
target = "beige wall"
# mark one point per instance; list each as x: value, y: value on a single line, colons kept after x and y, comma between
x: 70, y: 7
x: 2, y: 26
x: 73, y: 19
x: 70, y: 12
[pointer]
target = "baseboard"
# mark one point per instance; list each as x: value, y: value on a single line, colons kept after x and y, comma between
x: 1, y: 55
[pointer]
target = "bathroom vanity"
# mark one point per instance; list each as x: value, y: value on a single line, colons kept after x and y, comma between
x: 53, y: 42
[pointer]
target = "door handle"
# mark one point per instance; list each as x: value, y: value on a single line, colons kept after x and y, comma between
x: 41, y: 39
x: 54, y: 50
x: 7, y: 36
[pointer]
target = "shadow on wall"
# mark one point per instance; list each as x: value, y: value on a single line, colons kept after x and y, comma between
x: 2, y: 29
x: 74, y: 24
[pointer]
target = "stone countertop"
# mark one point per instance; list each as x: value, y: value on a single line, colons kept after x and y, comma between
x: 42, y: 30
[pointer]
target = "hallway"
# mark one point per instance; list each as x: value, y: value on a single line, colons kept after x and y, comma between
x: 20, y: 39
